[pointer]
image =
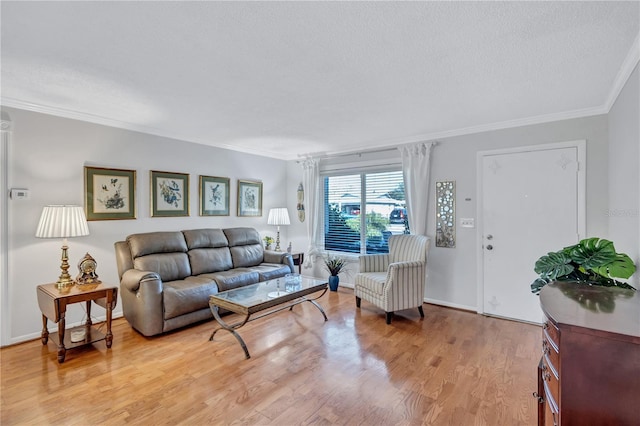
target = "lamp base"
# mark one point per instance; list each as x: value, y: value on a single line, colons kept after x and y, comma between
x: 65, y: 279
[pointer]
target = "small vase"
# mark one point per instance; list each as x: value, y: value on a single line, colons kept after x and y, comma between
x: 333, y: 282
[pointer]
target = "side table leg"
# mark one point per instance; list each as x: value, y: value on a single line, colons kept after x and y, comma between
x: 62, y: 351
x: 89, y: 313
x: 45, y: 331
x: 109, y: 336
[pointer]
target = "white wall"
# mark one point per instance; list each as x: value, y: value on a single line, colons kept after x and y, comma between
x: 624, y: 172
x: 452, y: 272
x: 47, y: 155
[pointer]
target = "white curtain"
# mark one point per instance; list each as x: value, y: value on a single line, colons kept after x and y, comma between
x: 313, y: 209
x: 416, y: 161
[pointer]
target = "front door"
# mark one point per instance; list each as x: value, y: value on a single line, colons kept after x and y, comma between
x: 532, y: 202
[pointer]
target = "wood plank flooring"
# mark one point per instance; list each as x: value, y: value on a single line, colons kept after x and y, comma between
x: 452, y: 368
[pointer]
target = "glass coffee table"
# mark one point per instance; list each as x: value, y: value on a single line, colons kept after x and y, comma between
x: 265, y: 298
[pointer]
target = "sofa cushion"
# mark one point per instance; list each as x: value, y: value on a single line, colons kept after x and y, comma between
x: 188, y: 295
x: 156, y: 242
x: 233, y: 278
x: 205, y: 238
x: 269, y: 271
x: 205, y: 260
x: 170, y: 266
x: 244, y: 256
x: 241, y: 236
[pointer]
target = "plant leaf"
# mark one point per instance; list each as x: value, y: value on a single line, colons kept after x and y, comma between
x: 593, y: 253
x: 621, y: 267
x: 554, y: 265
x: 537, y: 285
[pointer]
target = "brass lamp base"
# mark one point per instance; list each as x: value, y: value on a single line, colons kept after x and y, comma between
x: 65, y: 279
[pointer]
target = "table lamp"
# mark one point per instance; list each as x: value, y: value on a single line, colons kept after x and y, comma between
x: 278, y: 216
x: 63, y: 222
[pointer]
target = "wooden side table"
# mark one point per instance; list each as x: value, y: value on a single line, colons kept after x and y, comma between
x: 53, y: 305
x: 298, y: 259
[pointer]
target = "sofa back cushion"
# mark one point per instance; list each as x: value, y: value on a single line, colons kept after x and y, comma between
x: 208, y: 251
x: 207, y: 260
x: 205, y: 238
x: 246, y: 248
x: 164, y: 253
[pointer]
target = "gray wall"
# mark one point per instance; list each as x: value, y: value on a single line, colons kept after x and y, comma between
x: 624, y: 172
x: 47, y: 155
x: 452, y: 272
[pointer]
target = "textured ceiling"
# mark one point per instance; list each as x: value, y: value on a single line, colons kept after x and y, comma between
x: 284, y: 79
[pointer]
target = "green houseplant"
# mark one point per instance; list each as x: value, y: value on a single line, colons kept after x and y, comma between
x: 593, y: 261
x: 334, y: 265
x: 267, y: 242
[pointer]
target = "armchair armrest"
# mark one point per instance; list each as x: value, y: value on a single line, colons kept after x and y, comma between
x: 374, y: 262
x: 412, y: 273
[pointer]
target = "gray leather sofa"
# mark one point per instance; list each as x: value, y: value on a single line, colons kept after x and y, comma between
x: 166, y: 278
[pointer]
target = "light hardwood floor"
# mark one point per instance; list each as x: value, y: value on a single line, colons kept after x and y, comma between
x: 452, y: 368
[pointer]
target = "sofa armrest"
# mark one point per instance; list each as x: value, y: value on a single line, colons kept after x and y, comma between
x: 374, y: 262
x: 133, y: 279
x: 271, y: 256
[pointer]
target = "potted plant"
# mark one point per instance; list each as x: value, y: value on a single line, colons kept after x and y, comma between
x: 592, y: 261
x: 334, y: 265
x: 267, y: 242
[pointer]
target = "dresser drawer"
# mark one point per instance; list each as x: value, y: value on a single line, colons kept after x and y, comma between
x: 550, y: 379
x: 551, y: 333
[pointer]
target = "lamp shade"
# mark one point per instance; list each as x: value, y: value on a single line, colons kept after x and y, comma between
x: 62, y: 222
x: 278, y: 216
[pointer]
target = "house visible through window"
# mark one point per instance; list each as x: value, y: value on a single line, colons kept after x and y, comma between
x: 361, y: 211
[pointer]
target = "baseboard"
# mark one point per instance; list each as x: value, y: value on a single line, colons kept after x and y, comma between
x: 451, y: 305
x: 53, y: 327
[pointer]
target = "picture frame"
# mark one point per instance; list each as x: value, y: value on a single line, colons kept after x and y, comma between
x: 249, y: 198
x: 169, y: 194
x: 214, y: 196
x: 109, y: 194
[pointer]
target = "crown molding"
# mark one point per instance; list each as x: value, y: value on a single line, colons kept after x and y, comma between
x: 527, y: 121
x: 629, y: 64
x: 104, y: 121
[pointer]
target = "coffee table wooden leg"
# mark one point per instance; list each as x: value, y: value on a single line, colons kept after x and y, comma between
x: 45, y: 330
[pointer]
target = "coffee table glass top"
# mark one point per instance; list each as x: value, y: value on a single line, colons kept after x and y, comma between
x: 275, y: 290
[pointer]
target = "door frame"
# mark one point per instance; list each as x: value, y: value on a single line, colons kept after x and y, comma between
x: 581, y: 146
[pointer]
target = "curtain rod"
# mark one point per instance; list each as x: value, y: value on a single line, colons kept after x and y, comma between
x: 326, y: 156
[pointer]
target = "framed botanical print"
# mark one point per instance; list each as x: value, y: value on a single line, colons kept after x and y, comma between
x: 169, y: 194
x: 214, y: 196
x: 109, y: 194
x: 249, y: 198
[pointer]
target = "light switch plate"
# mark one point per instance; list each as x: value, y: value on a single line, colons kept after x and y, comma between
x: 467, y: 222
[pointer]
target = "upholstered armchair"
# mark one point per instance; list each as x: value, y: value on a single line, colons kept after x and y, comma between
x: 394, y: 281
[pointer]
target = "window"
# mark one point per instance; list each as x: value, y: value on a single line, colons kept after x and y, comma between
x: 361, y: 211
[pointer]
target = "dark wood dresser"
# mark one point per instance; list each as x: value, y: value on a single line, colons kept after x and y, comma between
x: 589, y: 373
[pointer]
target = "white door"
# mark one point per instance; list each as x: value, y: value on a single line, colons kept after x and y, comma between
x: 532, y: 202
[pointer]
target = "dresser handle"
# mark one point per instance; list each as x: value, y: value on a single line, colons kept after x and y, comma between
x: 546, y: 376
x: 538, y: 397
x: 545, y: 348
x: 545, y: 325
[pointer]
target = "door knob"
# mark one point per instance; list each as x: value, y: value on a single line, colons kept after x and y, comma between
x: 489, y: 247
x: 489, y: 237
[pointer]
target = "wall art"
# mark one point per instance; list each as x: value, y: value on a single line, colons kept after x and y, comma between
x: 169, y: 194
x: 249, y: 198
x: 109, y: 194
x: 446, y: 214
x: 214, y: 196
